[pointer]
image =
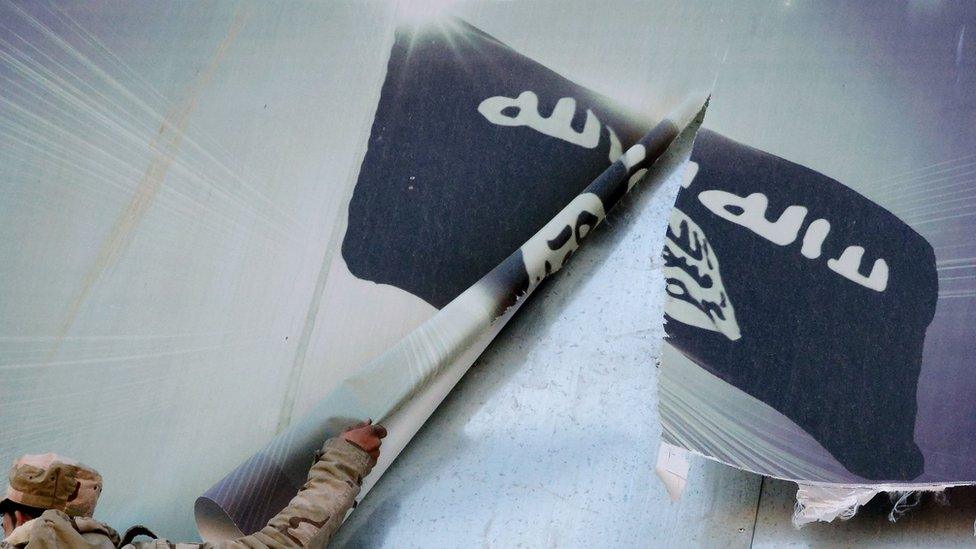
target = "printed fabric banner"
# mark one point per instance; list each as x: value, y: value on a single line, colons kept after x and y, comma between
x: 467, y: 202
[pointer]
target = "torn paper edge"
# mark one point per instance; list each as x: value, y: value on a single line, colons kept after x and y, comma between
x: 816, y: 500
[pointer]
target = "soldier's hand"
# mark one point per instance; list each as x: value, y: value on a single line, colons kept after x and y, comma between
x: 366, y: 437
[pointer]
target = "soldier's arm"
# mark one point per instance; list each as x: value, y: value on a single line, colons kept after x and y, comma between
x: 319, y: 508
x: 316, y: 512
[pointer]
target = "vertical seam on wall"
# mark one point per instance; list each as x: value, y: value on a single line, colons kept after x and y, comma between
x: 298, y: 365
x: 755, y: 519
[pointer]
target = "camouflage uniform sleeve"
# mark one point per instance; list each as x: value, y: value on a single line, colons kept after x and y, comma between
x: 316, y: 512
x: 313, y: 515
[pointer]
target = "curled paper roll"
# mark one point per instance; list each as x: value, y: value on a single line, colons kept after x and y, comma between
x: 245, y: 499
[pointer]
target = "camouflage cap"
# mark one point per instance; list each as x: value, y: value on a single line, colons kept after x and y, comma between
x: 49, y: 481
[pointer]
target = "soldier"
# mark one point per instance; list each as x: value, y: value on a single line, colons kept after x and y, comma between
x: 51, y: 499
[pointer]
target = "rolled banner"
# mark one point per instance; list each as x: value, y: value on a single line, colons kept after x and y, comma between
x: 251, y: 494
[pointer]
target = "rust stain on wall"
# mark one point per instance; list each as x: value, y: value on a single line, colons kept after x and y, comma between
x: 164, y: 146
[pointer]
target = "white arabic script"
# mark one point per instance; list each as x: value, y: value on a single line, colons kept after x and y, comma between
x: 750, y: 212
x: 558, y: 124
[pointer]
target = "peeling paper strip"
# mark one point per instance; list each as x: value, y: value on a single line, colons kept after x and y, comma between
x: 250, y: 495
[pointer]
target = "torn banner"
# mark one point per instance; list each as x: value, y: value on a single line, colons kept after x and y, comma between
x: 801, y: 319
x: 467, y: 202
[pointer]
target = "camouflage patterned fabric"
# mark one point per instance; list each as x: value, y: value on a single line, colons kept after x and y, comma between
x: 309, y: 520
x: 50, y: 481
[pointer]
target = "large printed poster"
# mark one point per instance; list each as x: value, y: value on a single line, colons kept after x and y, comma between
x: 468, y: 202
x: 820, y: 329
x: 216, y: 216
x: 226, y: 224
